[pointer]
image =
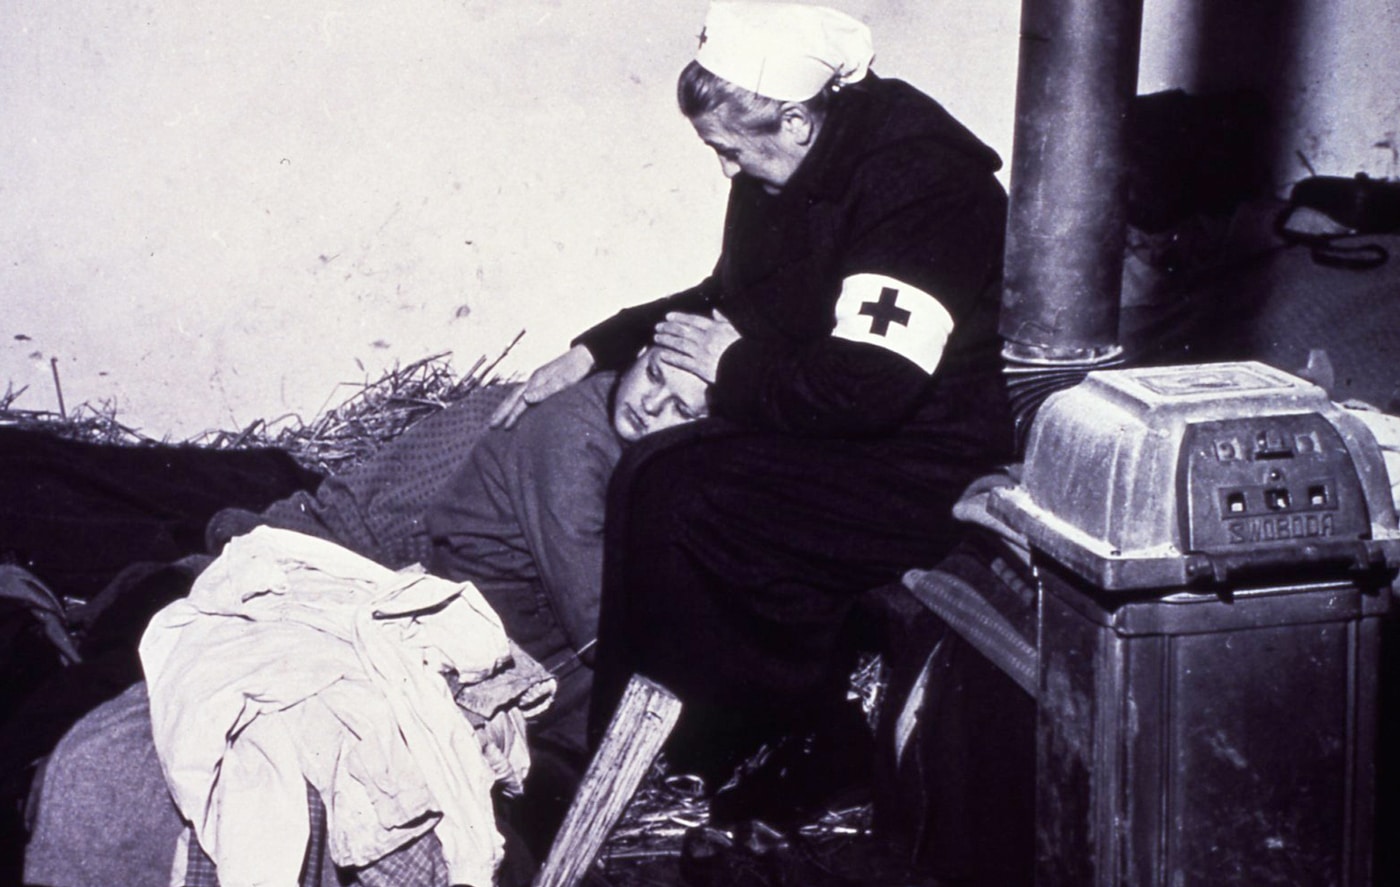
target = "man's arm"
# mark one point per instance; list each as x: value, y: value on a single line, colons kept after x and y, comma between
x: 559, y: 492
x: 528, y: 507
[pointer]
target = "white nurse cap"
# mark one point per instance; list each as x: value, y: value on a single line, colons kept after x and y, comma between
x: 785, y: 51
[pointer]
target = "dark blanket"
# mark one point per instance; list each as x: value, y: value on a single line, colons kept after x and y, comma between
x: 75, y: 514
x: 110, y: 529
x: 173, y: 519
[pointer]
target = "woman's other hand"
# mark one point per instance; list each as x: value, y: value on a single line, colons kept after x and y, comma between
x: 553, y: 377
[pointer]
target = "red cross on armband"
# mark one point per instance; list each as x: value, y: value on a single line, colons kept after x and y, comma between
x: 883, y: 313
x: 881, y: 310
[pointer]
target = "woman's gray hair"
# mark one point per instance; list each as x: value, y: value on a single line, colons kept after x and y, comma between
x: 700, y: 92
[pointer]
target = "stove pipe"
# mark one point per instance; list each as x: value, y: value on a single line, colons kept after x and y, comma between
x: 1066, y: 225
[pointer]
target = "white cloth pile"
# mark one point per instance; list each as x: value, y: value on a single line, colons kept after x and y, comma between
x: 294, y: 660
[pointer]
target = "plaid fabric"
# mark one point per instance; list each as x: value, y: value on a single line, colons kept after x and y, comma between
x: 200, y: 870
x: 418, y: 864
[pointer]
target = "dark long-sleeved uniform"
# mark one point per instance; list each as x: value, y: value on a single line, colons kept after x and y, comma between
x: 863, y: 397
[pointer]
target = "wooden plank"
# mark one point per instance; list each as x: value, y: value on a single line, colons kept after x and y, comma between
x: 639, y: 727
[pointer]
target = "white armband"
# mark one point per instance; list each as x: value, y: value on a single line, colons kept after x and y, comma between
x: 892, y: 314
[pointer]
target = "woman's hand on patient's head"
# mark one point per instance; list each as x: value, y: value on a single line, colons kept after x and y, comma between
x: 696, y: 343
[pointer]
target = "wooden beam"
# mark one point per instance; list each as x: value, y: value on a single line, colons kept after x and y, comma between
x: 644, y: 718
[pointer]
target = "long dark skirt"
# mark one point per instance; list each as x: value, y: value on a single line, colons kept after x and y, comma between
x: 734, y: 558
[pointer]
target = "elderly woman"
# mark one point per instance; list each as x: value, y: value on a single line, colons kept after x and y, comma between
x: 848, y: 334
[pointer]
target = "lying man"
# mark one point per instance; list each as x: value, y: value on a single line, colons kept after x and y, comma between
x: 517, y: 512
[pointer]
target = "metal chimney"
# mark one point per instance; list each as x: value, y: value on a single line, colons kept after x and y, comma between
x: 1066, y: 225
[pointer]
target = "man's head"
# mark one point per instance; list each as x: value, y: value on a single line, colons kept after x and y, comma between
x: 652, y: 395
x: 762, y: 79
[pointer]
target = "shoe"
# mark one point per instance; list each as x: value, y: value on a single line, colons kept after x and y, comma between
x: 794, y: 780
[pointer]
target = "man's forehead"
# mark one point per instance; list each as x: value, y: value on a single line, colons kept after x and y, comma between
x: 673, y: 374
x: 657, y: 357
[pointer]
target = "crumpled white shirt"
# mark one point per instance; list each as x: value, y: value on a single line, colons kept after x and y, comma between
x: 294, y: 660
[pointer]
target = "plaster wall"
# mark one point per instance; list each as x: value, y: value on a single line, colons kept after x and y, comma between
x: 1330, y: 73
x: 216, y: 213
